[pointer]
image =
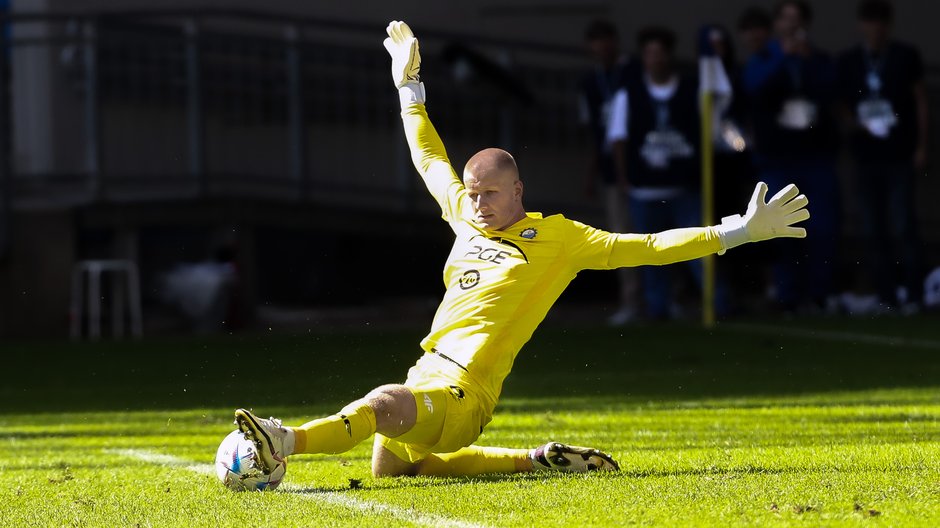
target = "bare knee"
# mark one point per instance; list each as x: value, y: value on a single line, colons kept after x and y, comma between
x: 395, y: 409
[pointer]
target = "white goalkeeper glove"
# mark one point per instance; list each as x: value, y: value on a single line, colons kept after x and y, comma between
x: 765, y: 220
x: 406, y: 62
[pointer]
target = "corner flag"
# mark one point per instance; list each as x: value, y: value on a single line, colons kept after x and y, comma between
x: 715, y: 94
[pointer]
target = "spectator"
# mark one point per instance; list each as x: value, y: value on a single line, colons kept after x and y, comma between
x: 881, y: 83
x: 654, y: 132
x: 204, y: 292
x: 609, y: 74
x: 792, y: 88
x: 755, y: 30
x: 733, y: 180
x: 755, y: 27
x: 733, y: 170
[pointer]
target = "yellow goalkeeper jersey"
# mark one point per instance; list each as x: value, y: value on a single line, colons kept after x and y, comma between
x: 501, y: 284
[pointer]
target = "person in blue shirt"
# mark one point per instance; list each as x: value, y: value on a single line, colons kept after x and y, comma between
x: 755, y: 27
x: 654, y: 133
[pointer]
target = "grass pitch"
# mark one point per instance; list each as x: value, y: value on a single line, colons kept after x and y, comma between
x: 831, y: 423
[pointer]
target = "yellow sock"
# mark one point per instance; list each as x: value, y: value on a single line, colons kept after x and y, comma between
x: 476, y: 460
x: 338, y: 433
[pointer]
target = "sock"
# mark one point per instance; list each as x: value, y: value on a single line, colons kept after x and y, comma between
x: 338, y: 433
x: 476, y: 460
x: 539, y: 462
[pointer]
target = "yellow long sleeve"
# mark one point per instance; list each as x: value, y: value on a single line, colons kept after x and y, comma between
x: 430, y: 159
x: 671, y: 246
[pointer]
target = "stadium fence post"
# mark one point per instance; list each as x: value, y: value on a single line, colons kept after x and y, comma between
x: 296, y: 122
x: 194, y: 108
x: 92, y: 109
x: 708, y: 167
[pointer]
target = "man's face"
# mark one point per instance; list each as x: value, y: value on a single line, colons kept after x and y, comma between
x: 657, y: 61
x: 719, y: 44
x: 874, y: 32
x: 755, y: 38
x: 496, y: 197
x: 789, y: 21
x: 603, y: 50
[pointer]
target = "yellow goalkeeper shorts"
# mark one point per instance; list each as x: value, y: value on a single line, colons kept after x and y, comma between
x: 450, y: 414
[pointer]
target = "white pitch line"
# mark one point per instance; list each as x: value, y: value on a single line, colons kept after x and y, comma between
x: 329, y: 497
x: 164, y: 460
x: 340, y: 499
x: 831, y: 335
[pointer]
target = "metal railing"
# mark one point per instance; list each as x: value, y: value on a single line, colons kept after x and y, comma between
x: 201, y: 103
x: 183, y: 104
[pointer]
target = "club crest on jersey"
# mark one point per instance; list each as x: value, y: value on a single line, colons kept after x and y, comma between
x: 469, y: 279
x: 529, y: 233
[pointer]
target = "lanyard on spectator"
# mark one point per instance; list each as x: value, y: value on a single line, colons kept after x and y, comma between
x: 796, y: 74
x: 875, y: 113
x: 875, y: 65
x: 662, y: 114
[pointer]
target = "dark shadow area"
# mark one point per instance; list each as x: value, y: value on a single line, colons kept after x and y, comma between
x: 560, y: 369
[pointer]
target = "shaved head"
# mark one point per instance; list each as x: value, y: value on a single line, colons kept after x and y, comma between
x: 493, y: 186
x: 491, y: 161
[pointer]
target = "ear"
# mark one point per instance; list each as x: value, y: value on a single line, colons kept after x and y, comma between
x: 518, y: 188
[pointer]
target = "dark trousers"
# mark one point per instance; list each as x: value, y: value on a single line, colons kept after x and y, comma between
x: 804, y: 269
x: 653, y: 216
x: 889, y: 228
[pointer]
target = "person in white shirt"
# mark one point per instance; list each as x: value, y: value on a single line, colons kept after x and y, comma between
x: 654, y: 136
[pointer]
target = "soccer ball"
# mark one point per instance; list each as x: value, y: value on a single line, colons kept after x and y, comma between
x: 236, y: 467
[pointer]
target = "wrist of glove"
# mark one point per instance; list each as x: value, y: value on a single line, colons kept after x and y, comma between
x: 732, y: 232
x: 765, y: 220
x: 411, y: 92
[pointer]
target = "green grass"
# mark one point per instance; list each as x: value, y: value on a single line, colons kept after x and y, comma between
x: 733, y: 426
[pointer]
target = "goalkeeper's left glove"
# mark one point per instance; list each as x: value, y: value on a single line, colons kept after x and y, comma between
x: 406, y: 62
x: 765, y: 220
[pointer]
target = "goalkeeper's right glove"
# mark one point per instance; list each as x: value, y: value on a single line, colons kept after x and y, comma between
x: 765, y: 220
x: 406, y: 62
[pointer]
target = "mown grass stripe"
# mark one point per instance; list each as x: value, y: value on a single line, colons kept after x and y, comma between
x: 329, y: 497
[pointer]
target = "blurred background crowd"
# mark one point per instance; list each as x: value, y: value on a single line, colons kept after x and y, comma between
x: 782, y: 111
x: 210, y: 166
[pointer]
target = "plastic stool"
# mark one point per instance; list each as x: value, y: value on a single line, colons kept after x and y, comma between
x: 94, y: 269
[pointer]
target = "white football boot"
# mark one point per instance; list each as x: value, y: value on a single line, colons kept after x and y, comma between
x: 572, y: 459
x: 273, y: 442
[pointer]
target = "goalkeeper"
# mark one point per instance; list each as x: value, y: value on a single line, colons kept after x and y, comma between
x: 506, y: 269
